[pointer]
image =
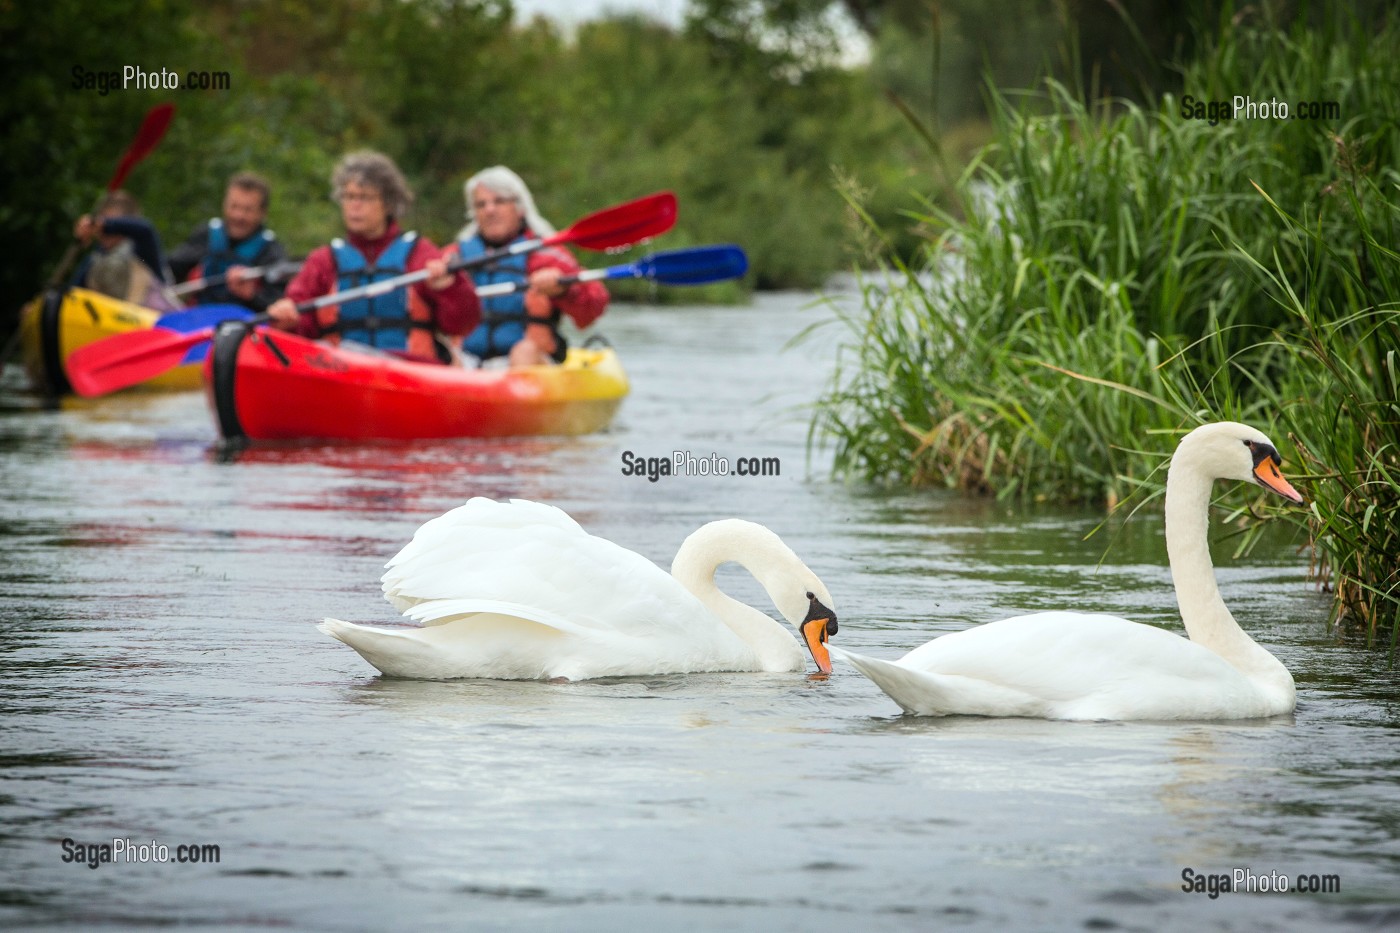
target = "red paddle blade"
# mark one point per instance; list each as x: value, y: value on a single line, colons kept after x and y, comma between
x: 123, y: 360
x: 147, y: 138
x: 622, y: 225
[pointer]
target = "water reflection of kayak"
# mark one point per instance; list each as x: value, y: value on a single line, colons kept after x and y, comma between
x: 267, y: 385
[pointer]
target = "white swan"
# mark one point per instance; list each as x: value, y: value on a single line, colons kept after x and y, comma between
x: 1072, y: 665
x: 518, y: 591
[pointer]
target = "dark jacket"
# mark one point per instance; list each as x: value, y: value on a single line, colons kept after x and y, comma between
x: 143, y: 238
x: 189, y: 258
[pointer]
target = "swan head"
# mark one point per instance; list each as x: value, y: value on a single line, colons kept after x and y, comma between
x: 816, y: 627
x: 1230, y: 450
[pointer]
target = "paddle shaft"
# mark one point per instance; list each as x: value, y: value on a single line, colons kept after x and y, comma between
x: 622, y: 225
x: 509, y: 288
x: 252, y: 272
x: 629, y: 270
x: 375, y: 289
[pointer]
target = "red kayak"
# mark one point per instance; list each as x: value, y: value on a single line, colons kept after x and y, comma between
x: 267, y: 385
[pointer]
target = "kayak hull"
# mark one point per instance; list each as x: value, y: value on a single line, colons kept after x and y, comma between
x: 56, y: 323
x: 266, y: 385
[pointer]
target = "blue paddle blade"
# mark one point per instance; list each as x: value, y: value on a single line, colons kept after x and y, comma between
x: 202, y: 316
x: 695, y: 266
x: 197, y: 352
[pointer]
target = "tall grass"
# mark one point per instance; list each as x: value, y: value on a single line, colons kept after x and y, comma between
x: 1342, y: 406
x: 1112, y: 275
x: 1088, y: 244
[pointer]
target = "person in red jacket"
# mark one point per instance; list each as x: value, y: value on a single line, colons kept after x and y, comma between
x: 523, y: 325
x: 373, y: 195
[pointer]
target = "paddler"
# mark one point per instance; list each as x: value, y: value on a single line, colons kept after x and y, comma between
x: 230, y: 243
x: 373, y: 196
x: 126, y: 262
x: 523, y: 325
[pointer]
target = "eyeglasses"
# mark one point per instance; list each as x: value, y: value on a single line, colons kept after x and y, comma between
x: 492, y: 202
x: 360, y: 197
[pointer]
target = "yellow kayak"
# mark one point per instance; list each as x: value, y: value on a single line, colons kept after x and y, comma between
x: 55, y: 324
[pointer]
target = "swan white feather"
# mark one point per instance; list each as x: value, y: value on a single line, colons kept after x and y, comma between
x: 1073, y: 665
x: 520, y: 591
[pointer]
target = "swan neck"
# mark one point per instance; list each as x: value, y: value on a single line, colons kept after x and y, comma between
x: 702, y: 553
x: 1207, y: 619
x: 694, y: 569
x: 1188, y: 551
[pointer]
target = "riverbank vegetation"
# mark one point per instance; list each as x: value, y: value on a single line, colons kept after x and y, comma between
x: 745, y: 109
x: 745, y: 131
x: 1111, y: 274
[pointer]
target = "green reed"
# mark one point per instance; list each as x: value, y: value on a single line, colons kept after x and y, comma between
x: 1086, y: 247
x: 1110, y: 275
x: 1341, y: 402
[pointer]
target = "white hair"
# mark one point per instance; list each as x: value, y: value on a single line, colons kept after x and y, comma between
x: 506, y: 183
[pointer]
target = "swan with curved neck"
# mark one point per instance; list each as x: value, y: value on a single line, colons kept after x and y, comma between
x: 519, y: 591
x: 1073, y: 665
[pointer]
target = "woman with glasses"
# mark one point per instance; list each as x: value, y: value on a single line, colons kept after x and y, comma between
x: 524, y: 325
x: 373, y: 196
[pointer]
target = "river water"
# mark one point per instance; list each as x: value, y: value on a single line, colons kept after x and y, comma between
x: 161, y: 680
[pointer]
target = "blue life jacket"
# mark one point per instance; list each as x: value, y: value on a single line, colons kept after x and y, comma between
x: 382, y: 321
x: 222, y: 254
x: 503, y: 317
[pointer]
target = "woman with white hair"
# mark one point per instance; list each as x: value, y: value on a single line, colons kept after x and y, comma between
x: 523, y: 325
x: 373, y: 195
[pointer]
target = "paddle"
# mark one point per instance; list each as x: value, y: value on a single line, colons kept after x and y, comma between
x: 697, y: 265
x: 127, y: 359
x: 199, y: 318
x: 153, y: 128
x: 273, y: 272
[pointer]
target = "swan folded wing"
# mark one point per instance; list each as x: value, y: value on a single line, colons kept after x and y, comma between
x: 531, y: 561
x: 481, y: 513
x: 443, y: 611
x: 671, y: 617
x: 1087, y: 666
x: 456, y: 533
x: 559, y: 569
x: 1054, y: 654
x: 547, y: 571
